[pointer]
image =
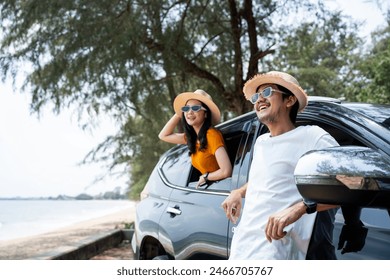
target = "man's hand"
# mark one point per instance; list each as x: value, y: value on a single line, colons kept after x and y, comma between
x: 352, y: 238
x: 278, y: 222
x: 232, y: 206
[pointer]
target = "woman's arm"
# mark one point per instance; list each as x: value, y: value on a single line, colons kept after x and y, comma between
x: 225, y: 167
x: 167, y: 133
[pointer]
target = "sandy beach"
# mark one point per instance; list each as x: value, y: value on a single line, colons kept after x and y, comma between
x: 28, y: 247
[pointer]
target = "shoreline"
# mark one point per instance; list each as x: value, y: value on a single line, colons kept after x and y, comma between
x: 28, y: 247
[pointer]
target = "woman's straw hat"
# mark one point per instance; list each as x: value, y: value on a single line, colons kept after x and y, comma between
x: 202, y: 96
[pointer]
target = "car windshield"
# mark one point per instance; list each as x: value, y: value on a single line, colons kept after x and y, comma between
x: 378, y: 113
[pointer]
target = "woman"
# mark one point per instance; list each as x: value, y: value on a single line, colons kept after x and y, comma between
x: 205, y: 143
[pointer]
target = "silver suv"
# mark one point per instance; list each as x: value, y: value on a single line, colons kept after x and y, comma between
x: 176, y: 221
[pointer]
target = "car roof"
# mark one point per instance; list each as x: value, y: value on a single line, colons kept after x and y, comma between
x: 379, y: 113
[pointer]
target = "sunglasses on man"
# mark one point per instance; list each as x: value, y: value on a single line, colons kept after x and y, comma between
x: 265, y: 93
x: 194, y: 108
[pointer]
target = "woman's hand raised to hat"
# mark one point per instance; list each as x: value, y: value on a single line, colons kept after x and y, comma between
x: 167, y: 134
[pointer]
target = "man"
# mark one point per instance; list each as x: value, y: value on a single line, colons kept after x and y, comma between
x: 276, y: 223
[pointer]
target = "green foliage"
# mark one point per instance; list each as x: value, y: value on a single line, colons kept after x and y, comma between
x: 326, y: 57
x: 373, y: 85
x: 321, y: 54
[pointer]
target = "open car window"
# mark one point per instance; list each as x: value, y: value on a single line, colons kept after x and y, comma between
x: 341, y: 135
x: 233, y: 143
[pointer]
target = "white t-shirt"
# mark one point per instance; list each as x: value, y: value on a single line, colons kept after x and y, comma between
x: 271, y: 188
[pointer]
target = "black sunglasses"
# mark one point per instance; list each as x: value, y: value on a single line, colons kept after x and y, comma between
x: 266, y: 93
x: 194, y: 108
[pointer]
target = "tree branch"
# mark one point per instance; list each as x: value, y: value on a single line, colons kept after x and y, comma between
x: 252, y: 34
x: 189, y: 66
x: 205, y: 45
x: 236, y: 31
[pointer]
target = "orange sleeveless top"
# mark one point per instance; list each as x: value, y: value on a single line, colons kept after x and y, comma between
x: 205, y: 161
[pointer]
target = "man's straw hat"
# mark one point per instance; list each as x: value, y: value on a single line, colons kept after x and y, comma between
x: 278, y: 78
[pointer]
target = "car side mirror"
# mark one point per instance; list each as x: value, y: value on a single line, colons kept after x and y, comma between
x: 347, y: 175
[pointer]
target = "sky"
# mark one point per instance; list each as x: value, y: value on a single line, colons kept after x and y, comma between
x: 39, y: 157
x: 363, y: 10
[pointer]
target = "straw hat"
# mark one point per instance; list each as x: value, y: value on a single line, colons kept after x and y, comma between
x: 202, y: 96
x: 278, y: 78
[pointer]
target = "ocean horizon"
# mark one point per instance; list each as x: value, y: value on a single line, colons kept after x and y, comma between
x: 23, y: 218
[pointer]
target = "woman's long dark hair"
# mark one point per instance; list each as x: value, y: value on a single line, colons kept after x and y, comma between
x: 191, y: 134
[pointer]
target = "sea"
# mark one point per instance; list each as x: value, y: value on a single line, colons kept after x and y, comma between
x: 23, y: 218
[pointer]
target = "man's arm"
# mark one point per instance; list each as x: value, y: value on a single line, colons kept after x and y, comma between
x: 278, y: 221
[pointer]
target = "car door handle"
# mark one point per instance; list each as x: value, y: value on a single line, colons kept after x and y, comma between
x: 174, y: 210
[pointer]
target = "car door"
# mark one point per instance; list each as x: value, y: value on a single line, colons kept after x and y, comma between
x: 362, y: 143
x: 198, y: 227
